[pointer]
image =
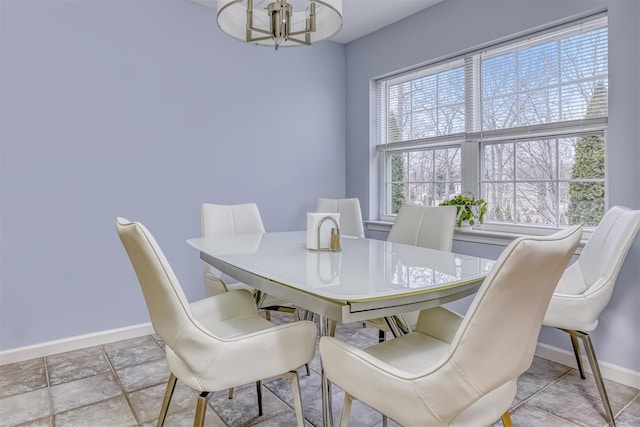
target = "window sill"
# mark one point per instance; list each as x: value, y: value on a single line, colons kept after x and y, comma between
x: 475, y: 235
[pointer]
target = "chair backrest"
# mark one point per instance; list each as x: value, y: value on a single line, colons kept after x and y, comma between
x: 350, y: 214
x: 497, y: 338
x: 224, y: 220
x: 166, y: 302
x: 586, y: 286
x: 605, y: 252
x: 425, y: 226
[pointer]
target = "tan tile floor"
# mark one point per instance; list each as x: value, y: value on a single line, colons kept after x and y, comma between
x: 122, y: 384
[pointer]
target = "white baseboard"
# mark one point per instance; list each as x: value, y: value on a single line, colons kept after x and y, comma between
x: 608, y: 370
x: 74, y: 343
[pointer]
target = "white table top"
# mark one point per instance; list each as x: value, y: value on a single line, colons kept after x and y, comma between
x: 367, y: 279
x: 364, y: 270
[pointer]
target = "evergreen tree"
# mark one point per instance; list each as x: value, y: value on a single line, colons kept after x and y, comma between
x: 397, y: 191
x: 586, y: 205
x: 397, y: 167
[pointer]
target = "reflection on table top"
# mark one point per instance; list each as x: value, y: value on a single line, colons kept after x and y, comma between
x: 364, y: 270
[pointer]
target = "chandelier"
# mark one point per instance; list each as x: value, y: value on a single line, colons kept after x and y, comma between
x: 279, y: 23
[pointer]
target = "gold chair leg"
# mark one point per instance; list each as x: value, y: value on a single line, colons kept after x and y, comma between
x: 297, y: 397
x: 168, y: 393
x: 346, y: 410
x: 506, y: 420
x: 576, y: 351
x: 201, y: 409
x: 384, y: 420
x: 231, y: 393
x: 595, y: 368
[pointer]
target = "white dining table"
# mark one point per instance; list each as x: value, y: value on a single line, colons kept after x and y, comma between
x: 366, y: 279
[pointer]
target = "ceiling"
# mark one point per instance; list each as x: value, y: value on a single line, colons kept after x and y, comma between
x: 361, y: 17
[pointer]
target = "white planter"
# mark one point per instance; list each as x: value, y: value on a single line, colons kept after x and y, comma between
x: 475, y: 211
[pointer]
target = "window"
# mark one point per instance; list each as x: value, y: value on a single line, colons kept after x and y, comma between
x: 426, y: 176
x: 426, y: 110
x: 551, y: 181
x: 521, y: 125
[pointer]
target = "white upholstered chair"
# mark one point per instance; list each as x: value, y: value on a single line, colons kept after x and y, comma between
x: 351, y: 224
x: 425, y: 226
x: 453, y: 370
x: 586, y: 286
x: 216, y: 343
x: 225, y: 220
x: 350, y: 214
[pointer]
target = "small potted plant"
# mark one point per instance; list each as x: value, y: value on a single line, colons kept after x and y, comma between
x: 469, y: 209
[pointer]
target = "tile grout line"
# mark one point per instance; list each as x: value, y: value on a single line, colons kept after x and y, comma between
x: 49, y: 394
x: 164, y: 352
x: 556, y: 381
x: 599, y: 400
x: 624, y: 408
x: 165, y: 357
x: 53, y: 413
x: 545, y: 387
x: 566, y: 374
x: 124, y: 394
x: 290, y: 407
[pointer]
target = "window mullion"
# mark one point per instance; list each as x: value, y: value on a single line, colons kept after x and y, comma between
x: 514, y: 180
x: 557, y: 182
x: 470, y: 161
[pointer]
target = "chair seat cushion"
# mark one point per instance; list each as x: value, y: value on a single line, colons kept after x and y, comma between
x: 572, y: 281
x: 412, y: 353
x: 235, y: 327
x: 228, y: 340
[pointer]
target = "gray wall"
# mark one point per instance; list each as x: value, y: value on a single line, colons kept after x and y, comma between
x: 144, y: 109
x: 456, y: 26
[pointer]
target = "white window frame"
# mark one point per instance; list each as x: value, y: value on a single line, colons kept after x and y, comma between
x: 385, y: 201
x: 471, y: 141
